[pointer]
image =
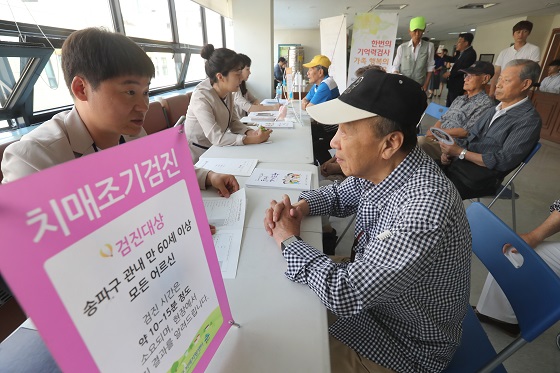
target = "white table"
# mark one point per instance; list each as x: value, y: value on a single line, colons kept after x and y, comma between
x: 289, y: 145
x: 283, y: 324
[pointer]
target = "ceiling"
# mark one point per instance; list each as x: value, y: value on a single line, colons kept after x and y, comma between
x: 444, y: 15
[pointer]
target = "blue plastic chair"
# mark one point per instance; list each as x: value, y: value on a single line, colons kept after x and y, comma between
x: 532, y: 289
x: 510, y: 184
x: 434, y: 110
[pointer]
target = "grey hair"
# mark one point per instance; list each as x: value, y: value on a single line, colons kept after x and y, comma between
x: 531, y: 70
x: 383, y: 126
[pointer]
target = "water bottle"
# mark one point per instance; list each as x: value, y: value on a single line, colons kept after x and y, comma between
x: 278, y: 92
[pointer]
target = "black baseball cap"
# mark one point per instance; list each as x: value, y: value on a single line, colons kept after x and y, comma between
x: 480, y: 68
x: 376, y: 93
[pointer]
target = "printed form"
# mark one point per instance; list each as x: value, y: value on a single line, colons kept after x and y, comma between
x: 228, y: 216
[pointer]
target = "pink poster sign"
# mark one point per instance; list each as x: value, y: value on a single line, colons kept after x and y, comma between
x: 111, y: 257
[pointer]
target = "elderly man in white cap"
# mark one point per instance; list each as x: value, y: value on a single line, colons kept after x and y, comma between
x: 415, y: 59
x: 397, y: 305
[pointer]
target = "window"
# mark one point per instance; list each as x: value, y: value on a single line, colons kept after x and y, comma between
x: 229, y: 33
x: 50, y: 91
x: 49, y: 13
x: 165, y: 77
x: 147, y: 19
x: 189, y: 22
x: 214, y: 28
x: 196, y: 68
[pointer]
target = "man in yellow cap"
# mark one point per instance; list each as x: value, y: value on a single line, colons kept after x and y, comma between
x: 415, y: 59
x: 324, y: 87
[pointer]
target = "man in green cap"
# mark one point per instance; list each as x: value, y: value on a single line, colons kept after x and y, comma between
x: 415, y: 59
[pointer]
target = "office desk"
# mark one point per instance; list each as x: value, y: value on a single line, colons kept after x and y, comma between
x: 288, y: 145
x: 283, y: 324
x: 258, y: 199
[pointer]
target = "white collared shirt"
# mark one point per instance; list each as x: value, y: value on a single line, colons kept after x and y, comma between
x: 500, y: 111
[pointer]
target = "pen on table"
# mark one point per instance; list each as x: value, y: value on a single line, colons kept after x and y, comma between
x: 180, y: 121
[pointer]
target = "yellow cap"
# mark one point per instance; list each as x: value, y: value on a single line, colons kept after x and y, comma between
x: 417, y: 23
x: 318, y: 60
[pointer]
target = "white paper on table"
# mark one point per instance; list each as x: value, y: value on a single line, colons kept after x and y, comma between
x: 278, y: 124
x: 228, y: 216
x: 263, y: 114
x: 273, y: 101
x: 237, y: 167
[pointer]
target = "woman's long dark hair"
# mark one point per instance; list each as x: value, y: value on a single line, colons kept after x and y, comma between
x: 246, y: 62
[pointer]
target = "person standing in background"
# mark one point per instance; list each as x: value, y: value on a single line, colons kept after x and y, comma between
x: 415, y: 59
x: 521, y: 49
x: 464, y: 58
x: 279, y: 69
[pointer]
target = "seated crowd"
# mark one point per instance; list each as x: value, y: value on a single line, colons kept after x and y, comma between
x: 398, y: 303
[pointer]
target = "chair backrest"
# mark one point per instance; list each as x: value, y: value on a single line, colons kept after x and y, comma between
x: 433, y: 110
x: 177, y: 106
x: 532, y: 288
x: 155, y: 119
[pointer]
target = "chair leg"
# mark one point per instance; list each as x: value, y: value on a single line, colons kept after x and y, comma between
x: 513, y: 216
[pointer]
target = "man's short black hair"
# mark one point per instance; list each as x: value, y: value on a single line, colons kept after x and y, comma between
x: 523, y: 25
x: 467, y: 36
x: 281, y: 59
x: 554, y: 63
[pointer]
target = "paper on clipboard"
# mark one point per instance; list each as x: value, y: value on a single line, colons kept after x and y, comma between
x: 442, y: 136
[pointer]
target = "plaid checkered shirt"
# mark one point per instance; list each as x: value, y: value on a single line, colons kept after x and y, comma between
x: 402, y: 301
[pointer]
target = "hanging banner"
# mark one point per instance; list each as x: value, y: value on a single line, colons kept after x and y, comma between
x: 333, y: 45
x: 111, y: 257
x: 373, y: 41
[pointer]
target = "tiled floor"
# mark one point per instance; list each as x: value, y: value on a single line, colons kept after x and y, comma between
x: 538, y: 186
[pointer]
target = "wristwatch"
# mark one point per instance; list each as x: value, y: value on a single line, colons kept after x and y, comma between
x: 288, y: 241
x: 462, y: 155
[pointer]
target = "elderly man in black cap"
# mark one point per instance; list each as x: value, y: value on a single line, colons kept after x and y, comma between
x: 464, y: 111
x: 398, y: 304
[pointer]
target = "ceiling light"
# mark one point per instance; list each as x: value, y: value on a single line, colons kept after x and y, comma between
x: 391, y: 6
x: 477, y: 6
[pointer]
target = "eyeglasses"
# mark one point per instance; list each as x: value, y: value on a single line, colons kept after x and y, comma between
x: 470, y: 76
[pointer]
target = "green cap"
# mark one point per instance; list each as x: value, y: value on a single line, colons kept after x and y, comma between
x: 417, y: 23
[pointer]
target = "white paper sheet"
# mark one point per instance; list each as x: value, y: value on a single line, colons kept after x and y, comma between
x: 228, y: 215
x: 237, y: 167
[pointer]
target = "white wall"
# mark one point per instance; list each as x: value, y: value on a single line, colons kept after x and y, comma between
x: 253, y: 26
x: 310, y: 40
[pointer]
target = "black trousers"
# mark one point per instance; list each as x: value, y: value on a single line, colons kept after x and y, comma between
x: 321, y: 142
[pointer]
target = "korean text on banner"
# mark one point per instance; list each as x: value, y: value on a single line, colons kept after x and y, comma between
x: 116, y: 267
x: 373, y: 41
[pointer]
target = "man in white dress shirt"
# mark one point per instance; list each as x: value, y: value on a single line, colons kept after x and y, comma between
x: 520, y: 49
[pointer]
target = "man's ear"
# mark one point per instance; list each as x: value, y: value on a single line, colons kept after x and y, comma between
x: 527, y: 84
x: 79, y: 88
x: 392, y: 144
